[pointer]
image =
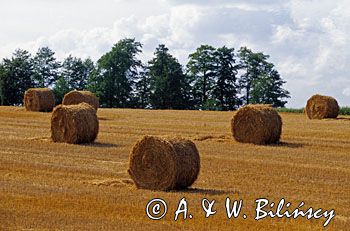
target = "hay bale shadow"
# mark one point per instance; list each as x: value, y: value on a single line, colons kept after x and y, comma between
x: 103, y: 118
x: 127, y: 181
x: 342, y: 118
x: 110, y: 182
x: 99, y: 145
x: 41, y: 138
x: 207, y: 191
x: 220, y: 138
x: 203, y: 138
x: 286, y: 144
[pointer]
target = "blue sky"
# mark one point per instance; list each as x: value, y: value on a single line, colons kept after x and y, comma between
x: 307, y: 40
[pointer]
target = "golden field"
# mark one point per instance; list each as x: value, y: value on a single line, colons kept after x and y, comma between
x: 57, y: 186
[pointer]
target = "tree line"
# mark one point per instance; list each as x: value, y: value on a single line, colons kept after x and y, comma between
x: 213, y: 78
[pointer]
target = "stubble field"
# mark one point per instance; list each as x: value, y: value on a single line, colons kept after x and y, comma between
x: 45, y: 185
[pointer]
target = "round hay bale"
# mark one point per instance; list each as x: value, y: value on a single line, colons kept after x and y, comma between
x: 76, y: 97
x: 257, y: 124
x: 164, y: 164
x: 74, y: 124
x: 321, y: 107
x: 39, y: 99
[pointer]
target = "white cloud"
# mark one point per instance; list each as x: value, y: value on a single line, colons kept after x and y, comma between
x: 346, y: 91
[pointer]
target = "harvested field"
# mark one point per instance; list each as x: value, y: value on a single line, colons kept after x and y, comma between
x: 46, y: 185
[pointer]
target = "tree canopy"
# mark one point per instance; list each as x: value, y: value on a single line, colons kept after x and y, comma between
x: 16, y: 77
x: 167, y: 81
x: 116, y: 73
x: 212, y: 79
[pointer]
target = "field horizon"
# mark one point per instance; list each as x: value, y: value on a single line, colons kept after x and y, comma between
x: 46, y: 185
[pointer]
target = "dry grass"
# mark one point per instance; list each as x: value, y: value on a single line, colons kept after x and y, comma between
x: 77, y: 97
x: 321, y: 107
x: 39, y: 99
x: 46, y: 185
x: 257, y: 124
x: 164, y: 164
x: 74, y: 124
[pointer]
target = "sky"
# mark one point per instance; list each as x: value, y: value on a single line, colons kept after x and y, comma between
x: 307, y: 40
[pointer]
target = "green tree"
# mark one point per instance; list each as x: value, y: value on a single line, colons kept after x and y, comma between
x: 3, y: 78
x: 94, y: 83
x: 115, y: 75
x: 143, y: 89
x: 267, y: 89
x: 45, y: 68
x: 15, y: 77
x: 200, y: 68
x: 88, y: 68
x: 60, y: 89
x: 226, y: 88
x: 76, y: 72
x: 251, y: 64
x: 260, y: 82
x: 74, y: 76
x: 168, y: 82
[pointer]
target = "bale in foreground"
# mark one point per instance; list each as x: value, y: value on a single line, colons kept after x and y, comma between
x: 74, y: 124
x: 39, y: 99
x: 76, y: 97
x: 257, y: 124
x: 160, y: 164
x: 321, y: 107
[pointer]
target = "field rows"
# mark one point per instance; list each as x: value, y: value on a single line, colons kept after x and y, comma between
x: 45, y: 185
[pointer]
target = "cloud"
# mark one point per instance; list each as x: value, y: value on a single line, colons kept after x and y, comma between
x: 307, y: 40
x: 346, y: 91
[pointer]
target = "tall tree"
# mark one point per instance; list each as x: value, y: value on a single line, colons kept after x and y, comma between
x: 60, y: 89
x: 168, y: 82
x: 15, y: 77
x: 252, y: 65
x: 74, y: 76
x: 260, y: 82
x: 226, y: 88
x: 46, y: 68
x: 88, y: 68
x: 200, y: 68
x: 143, y: 89
x: 3, y: 78
x: 116, y: 73
x: 267, y: 89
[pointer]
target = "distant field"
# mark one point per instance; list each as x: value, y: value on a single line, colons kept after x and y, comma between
x: 343, y: 110
x: 45, y: 185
